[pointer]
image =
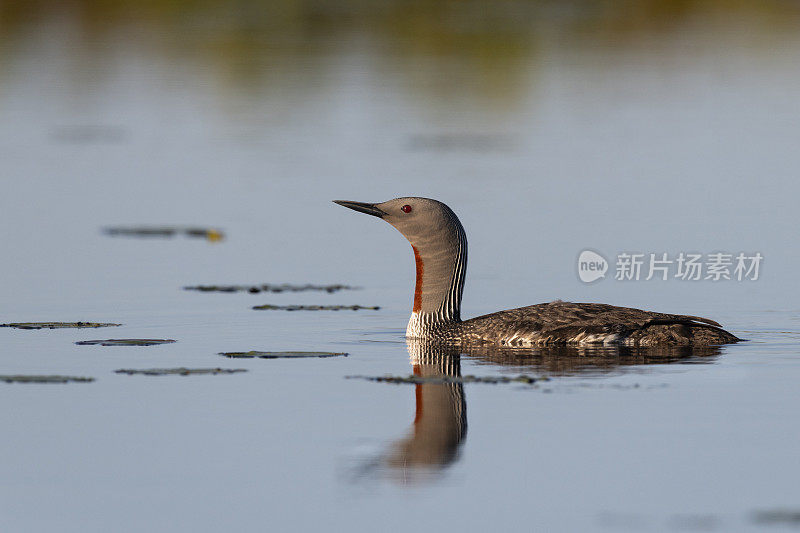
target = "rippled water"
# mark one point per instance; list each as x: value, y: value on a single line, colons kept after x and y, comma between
x: 663, y: 141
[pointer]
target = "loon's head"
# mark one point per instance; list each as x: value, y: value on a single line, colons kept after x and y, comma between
x: 420, y: 220
x: 440, y: 254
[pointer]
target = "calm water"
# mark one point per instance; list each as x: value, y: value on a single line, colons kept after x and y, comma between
x: 545, y: 142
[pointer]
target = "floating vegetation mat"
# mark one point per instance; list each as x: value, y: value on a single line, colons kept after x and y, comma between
x: 89, y: 134
x: 126, y: 342
x: 280, y: 355
x: 178, y: 371
x: 472, y: 142
x: 45, y: 379
x: 315, y: 307
x: 785, y: 517
x: 443, y: 380
x: 266, y: 287
x: 211, y: 234
x: 56, y: 325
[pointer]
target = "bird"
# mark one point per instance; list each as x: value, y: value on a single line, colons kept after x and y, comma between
x: 439, y: 243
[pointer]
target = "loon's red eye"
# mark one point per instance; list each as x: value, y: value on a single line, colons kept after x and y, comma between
x: 406, y: 208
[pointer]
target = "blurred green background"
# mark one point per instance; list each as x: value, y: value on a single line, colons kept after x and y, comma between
x: 494, y: 43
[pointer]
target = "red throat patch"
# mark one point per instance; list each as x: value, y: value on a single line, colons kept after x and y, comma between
x: 418, y: 286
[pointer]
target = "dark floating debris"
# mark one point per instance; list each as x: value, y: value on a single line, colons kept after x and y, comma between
x: 56, y: 325
x: 178, y: 371
x: 448, y: 142
x: 45, y: 379
x: 315, y: 307
x: 266, y: 287
x: 211, y: 234
x: 89, y: 133
x: 280, y: 355
x: 142, y: 232
x: 443, y: 380
x: 787, y: 517
x: 126, y: 342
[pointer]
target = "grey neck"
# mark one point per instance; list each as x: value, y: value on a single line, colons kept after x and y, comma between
x: 441, y: 260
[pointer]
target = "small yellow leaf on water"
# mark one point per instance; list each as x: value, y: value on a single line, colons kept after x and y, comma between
x: 214, y: 235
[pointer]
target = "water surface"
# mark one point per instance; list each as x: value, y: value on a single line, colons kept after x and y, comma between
x: 664, y: 130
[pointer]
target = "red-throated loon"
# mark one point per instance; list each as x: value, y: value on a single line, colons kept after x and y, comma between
x: 440, y: 252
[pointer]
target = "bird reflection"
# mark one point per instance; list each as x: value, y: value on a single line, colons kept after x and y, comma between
x: 440, y: 421
x: 566, y: 360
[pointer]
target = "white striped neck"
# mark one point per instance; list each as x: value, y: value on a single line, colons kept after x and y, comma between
x: 441, y: 263
x: 424, y: 325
